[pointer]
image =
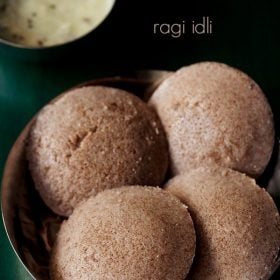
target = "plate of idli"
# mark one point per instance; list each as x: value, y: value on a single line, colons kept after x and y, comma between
x: 157, y: 175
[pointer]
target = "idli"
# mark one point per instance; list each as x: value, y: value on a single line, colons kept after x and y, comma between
x: 127, y: 233
x: 93, y: 138
x: 215, y: 114
x: 237, y: 224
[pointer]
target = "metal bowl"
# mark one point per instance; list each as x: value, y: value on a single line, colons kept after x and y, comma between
x: 31, y: 226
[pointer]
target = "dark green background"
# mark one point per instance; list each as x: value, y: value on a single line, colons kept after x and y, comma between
x: 246, y: 34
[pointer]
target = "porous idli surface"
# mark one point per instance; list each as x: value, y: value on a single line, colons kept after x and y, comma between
x: 127, y: 233
x: 93, y: 138
x: 215, y: 114
x: 236, y: 222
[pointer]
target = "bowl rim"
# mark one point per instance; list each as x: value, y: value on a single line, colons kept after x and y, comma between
x: 5, y: 193
x: 53, y: 46
x: 13, y: 247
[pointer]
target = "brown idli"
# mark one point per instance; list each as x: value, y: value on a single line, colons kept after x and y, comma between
x: 236, y: 222
x: 127, y: 233
x: 93, y: 138
x: 213, y: 113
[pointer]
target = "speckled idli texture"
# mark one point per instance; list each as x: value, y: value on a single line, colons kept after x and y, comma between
x: 237, y: 224
x: 213, y: 113
x: 127, y: 233
x: 94, y: 138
